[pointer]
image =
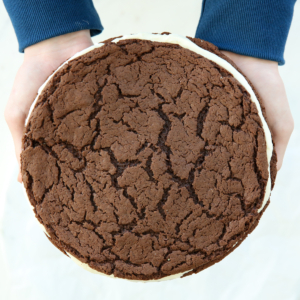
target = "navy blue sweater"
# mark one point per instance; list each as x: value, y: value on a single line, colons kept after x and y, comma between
x: 256, y: 28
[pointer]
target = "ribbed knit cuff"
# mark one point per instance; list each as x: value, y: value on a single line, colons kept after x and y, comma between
x: 38, y: 20
x: 257, y: 28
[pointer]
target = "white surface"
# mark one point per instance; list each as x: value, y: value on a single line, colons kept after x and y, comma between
x: 265, y: 266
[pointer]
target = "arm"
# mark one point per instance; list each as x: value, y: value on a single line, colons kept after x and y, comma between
x: 253, y: 35
x: 38, y: 20
x: 49, y: 32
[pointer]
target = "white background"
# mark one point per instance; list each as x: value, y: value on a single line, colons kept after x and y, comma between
x: 265, y: 266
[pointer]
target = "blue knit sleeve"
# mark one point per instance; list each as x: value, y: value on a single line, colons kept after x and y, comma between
x: 257, y: 28
x: 38, y: 20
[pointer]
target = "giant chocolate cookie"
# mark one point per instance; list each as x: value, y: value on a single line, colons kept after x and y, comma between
x: 144, y: 159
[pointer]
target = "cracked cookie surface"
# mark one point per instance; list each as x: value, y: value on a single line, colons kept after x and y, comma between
x: 144, y: 159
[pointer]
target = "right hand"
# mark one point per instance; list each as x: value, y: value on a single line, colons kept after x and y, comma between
x: 40, y: 60
x: 265, y: 77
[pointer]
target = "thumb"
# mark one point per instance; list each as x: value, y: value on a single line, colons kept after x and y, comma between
x: 16, y: 120
x: 24, y: 90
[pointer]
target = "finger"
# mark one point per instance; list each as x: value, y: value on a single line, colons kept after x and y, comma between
x: 19, y: 177
x: 16, y: 120
x: 22, y: 95
x: 278, y: 112
x: 281, y: 137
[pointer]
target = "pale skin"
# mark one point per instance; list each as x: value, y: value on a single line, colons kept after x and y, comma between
x: 41, y: 59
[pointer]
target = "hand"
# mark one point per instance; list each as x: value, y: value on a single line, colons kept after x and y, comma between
x: 265, y: 77
x: 40, y: 60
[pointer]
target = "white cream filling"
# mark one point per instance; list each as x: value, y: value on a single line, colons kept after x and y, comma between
x: 185, y: 43
x: 88, y: 268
